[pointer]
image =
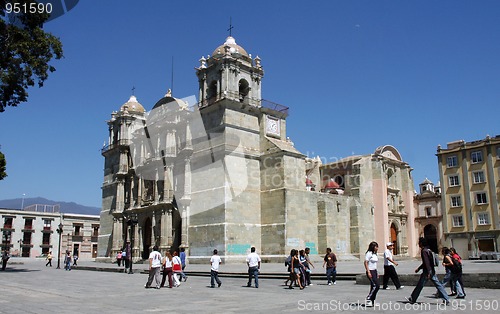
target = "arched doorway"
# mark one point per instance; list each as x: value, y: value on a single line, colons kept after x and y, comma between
x: 394, y: 239
x: 430, y: 233
x: 146, y: 238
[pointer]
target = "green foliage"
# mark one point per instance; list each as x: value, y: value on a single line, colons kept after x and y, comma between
x: 26, y: 51
x: 3, y: 166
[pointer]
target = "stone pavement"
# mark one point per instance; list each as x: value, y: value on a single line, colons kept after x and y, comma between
x: 27, y: 286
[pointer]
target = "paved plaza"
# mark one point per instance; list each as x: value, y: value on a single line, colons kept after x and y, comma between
x: 27, y: 286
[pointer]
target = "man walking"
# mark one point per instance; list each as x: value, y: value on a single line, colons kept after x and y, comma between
x: 154, y: 268
x: 428, y: 272
x: 389, y: 269
x: 253, y: 262
x: 215, y: 261
x: 330, y: 261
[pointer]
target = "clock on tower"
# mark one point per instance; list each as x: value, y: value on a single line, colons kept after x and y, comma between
x: 272, y: 126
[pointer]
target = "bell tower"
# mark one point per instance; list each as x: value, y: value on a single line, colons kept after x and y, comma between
x: 230, y: 73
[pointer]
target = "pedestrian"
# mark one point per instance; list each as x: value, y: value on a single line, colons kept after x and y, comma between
x: 452, y: 267
x: 456, y: 257
x: 119, y: 258
x: 167, y: 270
x: 428, y: 272
x: 215, y: 262
x: 176, y: 268
x: 5, y: 258
x: 288, y: 264
x: 296, y: 265
x: 303, y: 269
x: 75, y: 259
x: 389, y: 269
x: 308, y: 269
x: 371, y: 260
x: 126, y: 256
x: 154, y: 268
x: 330, y: 260
x: 183, y: 263
x: 67, y: 261
x: 253, y: 262
x: 49, y: 259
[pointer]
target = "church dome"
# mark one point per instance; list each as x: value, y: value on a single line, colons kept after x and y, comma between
x: 133, y: 106
x: 168, y: 99
x: 332, y: 185
x: 233, y: 47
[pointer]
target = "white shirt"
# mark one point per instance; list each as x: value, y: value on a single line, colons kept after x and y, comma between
x: 155, y: 258
x: 387, y: 255
x: 215, y: 260
x: 168, y: 263
x: 253, y: 259
x: 372, y: 260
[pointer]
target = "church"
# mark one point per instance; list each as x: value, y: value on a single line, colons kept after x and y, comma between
x: 219, y: 172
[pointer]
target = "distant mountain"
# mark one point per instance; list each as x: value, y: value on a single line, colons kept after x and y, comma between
x: 66, y: 207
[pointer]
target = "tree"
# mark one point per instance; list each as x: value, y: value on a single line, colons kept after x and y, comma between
x: 26, y: 51
x: 3, y: 166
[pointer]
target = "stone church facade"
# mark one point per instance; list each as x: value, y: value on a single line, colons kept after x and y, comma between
x: 220, y: 173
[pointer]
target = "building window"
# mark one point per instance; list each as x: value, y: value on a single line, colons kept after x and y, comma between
x: 7, y: 223
x: 483, y: 219
x: 428, y: 211
x: 481, y: 198
x: 28, y: 223
x: 476, y: 156
x: 456, y: 201
x: 453, y: 180
x: 46, y: 224
x: 95, y: 231
x: 46, y: 239
x: 458, y: 220
x: 452, y: 162
x: 478, y: 177
x: 77, y: 230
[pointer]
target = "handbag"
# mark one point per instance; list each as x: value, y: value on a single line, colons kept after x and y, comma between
x: 177, y: 267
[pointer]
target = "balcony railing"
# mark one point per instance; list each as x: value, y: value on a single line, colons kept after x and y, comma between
x: 123, y: 142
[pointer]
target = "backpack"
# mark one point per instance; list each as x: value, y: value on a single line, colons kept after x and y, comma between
x: 457, y: 266
x: 435, y: 259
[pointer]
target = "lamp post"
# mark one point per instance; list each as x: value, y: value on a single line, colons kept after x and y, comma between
x: 22, y: 202
x: 59, y: 231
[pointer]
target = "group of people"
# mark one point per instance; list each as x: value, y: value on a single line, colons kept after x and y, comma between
x: 173, y: 268
x: 451, y: 262
x: 253, y: 262
x: 300, y: 267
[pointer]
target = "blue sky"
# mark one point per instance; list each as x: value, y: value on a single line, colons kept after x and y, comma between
x: 355, y: 74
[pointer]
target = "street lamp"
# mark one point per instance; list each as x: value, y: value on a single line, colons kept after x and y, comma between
x: 59, y: 231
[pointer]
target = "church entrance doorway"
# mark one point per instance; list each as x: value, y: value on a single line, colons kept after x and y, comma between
x: 394, y: 239
x: 146, y: 238
x: 430, y: 233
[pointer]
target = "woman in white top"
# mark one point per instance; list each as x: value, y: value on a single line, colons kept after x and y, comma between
x: 176, y: 268
x: 371, y: 260
x: 167, y: 270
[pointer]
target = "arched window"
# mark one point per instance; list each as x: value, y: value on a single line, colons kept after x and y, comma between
x: 243, y: 89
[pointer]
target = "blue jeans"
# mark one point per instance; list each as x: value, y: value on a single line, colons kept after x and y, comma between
x: 331, y: 274
x: 214, y: 277
x: 253, y: 271
x: 420, y: 285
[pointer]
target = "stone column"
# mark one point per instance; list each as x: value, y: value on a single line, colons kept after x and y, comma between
x: 163, y: 231
x: 168, y: 228
x: 120, y: 196
x: 117, y: 236
x: 137, y: 243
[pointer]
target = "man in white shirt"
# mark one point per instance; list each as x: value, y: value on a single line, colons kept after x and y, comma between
x: 253, y: 262
x: 215, y: 261
x: 389, y: 269
x: 154, y: 268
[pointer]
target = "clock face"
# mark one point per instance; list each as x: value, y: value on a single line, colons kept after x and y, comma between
x: 272, y: 126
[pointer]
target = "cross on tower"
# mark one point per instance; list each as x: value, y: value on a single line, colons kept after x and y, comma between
x: 133, y: 90
x: 230, y: 27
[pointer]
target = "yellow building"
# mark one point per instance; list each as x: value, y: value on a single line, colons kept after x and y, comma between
x: 470, y: 175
